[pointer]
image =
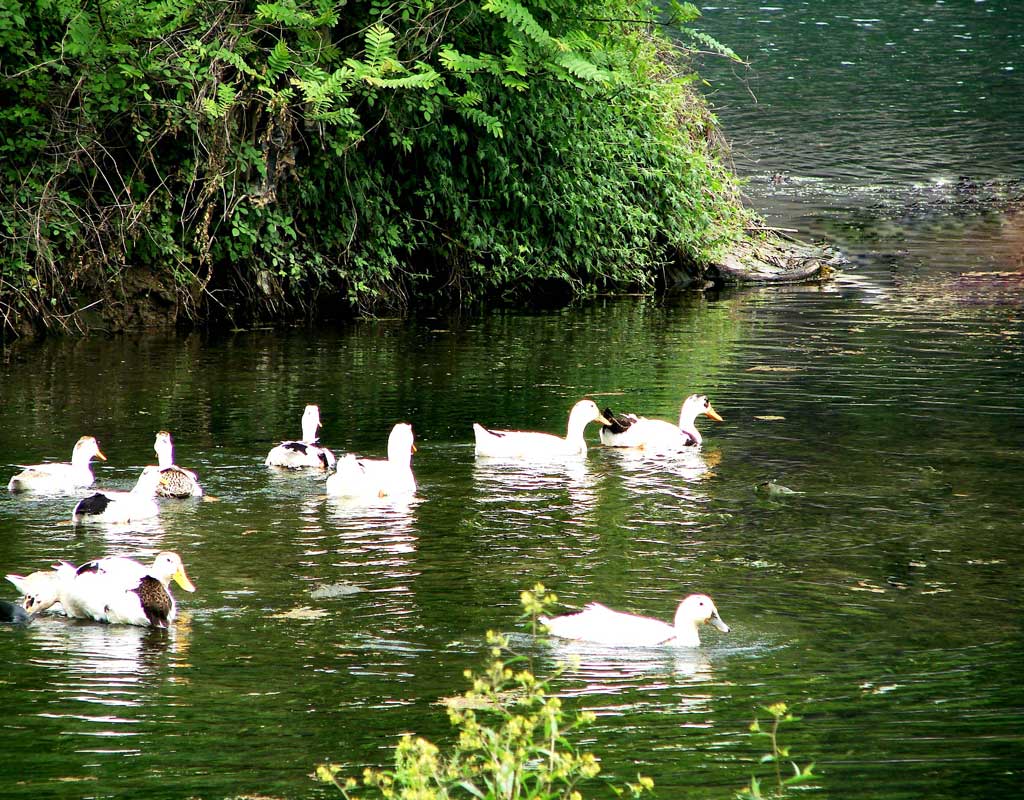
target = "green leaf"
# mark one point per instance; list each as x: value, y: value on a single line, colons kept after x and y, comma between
x: 279, y: 60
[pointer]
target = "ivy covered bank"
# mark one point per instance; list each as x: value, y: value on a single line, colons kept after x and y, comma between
x: 204, y: 160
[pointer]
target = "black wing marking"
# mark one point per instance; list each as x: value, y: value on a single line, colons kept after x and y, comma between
x: 94, y: 504
x: 619, y: 422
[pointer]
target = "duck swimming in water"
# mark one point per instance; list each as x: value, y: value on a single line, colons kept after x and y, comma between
x: 305, y: 453
x: 60, y: 477
x: 362, y: 477
x: 599, y: 624
x: 530, y: 445
x: 630, y: 430
x: 119, y: 590
x: 110, y: 505
x: 113, y: 589
x: 175, y: 481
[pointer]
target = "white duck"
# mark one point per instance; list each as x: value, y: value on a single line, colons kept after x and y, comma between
x: 599, y: 624
x: 116, y: 506
x: 630, y: 430
x: 119, y: 590
x: 175, y: 481
x: 359, y: 477
x: 60, y: 477
x: 305, y: 453
x: 41, y: 590
x: 530, y: 445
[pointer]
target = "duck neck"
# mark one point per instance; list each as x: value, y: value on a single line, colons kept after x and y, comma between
x: 399, y: 456
x: 688, y: 425
x: 686, y: 630
x: 574, y: 433
x: 80, y: 458
x: 147, y: 483
x: 309, y: 431
x: 165, y: 455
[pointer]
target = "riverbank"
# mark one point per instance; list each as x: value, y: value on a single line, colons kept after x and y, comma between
x: 322, y: 163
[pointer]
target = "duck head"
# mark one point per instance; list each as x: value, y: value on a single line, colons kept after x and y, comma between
x: 167, y: 567
x: 400, y: 443
x: 586, y: 411
x: 698, y: 609
x: 697, y: 404
x: 164, y: 448
x: 85, y: 450
x: 148, y: 482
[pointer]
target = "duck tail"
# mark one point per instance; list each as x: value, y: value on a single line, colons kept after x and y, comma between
x: 619, y: 422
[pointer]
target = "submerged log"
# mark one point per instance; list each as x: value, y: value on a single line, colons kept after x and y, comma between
x: 771, y: 258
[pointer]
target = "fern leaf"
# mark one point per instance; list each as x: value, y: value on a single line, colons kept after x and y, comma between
x: 415, y: 80
x: 469, y: 99
x: 342, y: 117
x: 579, y: 67
x: 486, y: 121
x: 278, y: 61
x: 682, y: 13
x: 281, y: 14
x: 226, y: 95
x: 711, y: 43
x: 454, y: 61
x: 379, y: 46
x: 234, y: 60
x: 520, y: 18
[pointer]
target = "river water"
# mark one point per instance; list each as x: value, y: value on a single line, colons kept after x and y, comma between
x: 881, y: 599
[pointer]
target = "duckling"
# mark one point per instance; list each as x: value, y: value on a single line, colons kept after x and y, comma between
x: 60, y: 477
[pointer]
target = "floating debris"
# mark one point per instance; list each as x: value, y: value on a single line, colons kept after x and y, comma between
x: 773, y: 488
x: 340, y: 589
x: 302, y: 612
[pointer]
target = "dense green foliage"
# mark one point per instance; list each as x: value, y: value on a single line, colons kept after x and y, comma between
x: 256, y: 157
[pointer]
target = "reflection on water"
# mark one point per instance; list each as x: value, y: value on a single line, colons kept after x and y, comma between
x: 527, y: 491
x: 102, y: 679
x: 316, y: 619
x: 867, y: 97
x: 882, y: 602
x: 596, y: 670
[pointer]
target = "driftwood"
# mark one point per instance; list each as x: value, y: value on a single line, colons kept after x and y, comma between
x: 771, y: 258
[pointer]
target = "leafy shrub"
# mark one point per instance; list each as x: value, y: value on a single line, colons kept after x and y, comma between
x: 258, y: 157
x: 513, y: 743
